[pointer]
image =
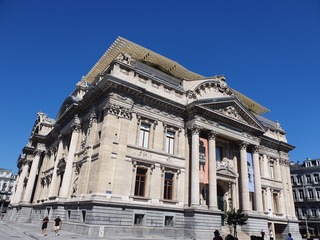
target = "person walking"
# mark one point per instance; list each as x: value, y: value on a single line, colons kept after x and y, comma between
x: 289, y: 237
x: 57, y: 225
x: 271, y: 235
x: 263, y: 234
x: 44, y: 226
x: 217, y: 235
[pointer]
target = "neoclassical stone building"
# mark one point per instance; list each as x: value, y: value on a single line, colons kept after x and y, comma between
x: 147, y: 147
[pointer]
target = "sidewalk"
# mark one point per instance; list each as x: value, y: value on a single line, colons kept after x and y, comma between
x: 33, y: 231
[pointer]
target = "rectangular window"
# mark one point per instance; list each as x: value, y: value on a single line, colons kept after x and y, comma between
x: 299, y: 179
x: 140, y: 182
x: 318, y: 193
x: 144, y: 135
x: 308, y: 178
x: 275, y: 203
x: 83, y: 216
x: 219, y: 154
x: 316, y: 178
x: 310, y: 193
x: 168, y: 182
x: 170, y: 142
x: 271, y: 169
x: 168, y: 221
x: 138, y: 219
x: 301, y: 194
x: 69, y: 215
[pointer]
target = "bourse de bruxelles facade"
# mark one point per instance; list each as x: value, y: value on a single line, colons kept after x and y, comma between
x: 144, y: 146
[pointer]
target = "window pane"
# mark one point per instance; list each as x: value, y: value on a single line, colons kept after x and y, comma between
x: 168, y: 181
x: 140, y: 182
x: 144, y: 135
x: 169, y: 142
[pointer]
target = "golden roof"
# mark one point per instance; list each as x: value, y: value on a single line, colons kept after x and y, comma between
x: 171, y: 67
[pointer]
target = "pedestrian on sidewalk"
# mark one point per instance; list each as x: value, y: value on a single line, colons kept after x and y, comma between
x: 44, y: 225
x: 57, y: 225
x: 217, y: 235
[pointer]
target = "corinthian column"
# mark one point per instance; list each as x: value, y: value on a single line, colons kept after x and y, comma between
x: 257, y: 180
x: 195, y: 166
x: 64, y: 191
x: 53, y: 185
x: 244, y: 178
x: 32, y: 176
x: 22, y: 176
x: 212, y: 171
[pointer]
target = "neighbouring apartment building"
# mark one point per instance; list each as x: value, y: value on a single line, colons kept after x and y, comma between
x: 144, y: 146
x: 306, y: 194
x: 7, y: 183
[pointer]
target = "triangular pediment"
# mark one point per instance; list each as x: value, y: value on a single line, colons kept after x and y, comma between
x: 231, y: 110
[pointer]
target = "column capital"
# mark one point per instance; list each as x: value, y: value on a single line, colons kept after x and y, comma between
x: 76, y: 127
x: 195, y: 129
x: 255, y: 149
x: 243, y: 145
x: 37, y: 152
x: 212, y: 135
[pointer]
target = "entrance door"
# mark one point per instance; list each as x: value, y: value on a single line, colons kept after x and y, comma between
x: 221, y: 207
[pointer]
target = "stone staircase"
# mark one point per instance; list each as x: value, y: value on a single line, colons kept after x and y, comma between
x: 225, y: 230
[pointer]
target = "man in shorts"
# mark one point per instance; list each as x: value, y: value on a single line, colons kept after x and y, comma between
x: 56, y: 227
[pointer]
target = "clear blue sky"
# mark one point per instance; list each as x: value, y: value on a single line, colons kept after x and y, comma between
x: 268, y: 50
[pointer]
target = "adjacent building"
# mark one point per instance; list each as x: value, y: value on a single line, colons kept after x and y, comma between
x: 143, y: 146
x: 7, y: 183
x: 306, y: 194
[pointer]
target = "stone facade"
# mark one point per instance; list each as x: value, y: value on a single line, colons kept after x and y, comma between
x: 148, y: 147
x: 306, y: 194
x: 7, y: 183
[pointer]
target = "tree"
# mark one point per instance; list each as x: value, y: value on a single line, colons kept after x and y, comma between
x: 234, y: 218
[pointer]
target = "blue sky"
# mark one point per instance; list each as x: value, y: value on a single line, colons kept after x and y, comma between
x: 268, y: 50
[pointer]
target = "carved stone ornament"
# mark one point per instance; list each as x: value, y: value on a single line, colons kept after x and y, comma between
x: 92, y: 119
x: 82, y: 82
x: 124, y: 57
x: 232, y: 112
x: 243, y: 145
x: 195, y: 129
x: 118, y: 110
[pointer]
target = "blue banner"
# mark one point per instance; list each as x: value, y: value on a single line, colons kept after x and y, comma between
x: 250, y: 172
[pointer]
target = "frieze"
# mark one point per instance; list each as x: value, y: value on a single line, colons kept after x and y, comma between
x: 247, y: 135
x: 118, y: 110
x: 203, y: 119
x: 142, y: 153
